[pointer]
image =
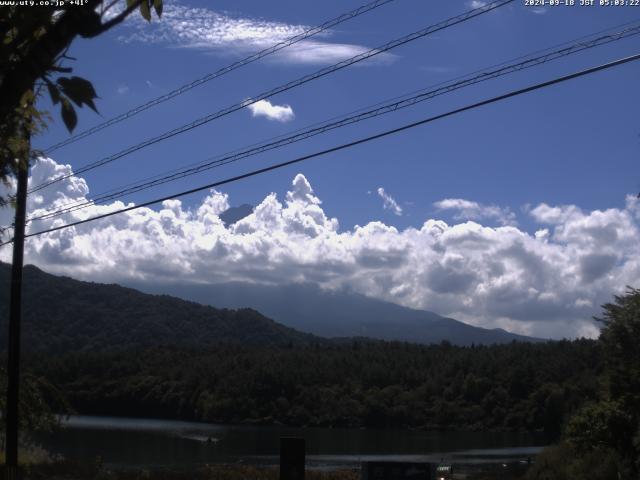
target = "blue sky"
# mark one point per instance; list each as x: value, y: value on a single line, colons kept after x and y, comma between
x: 573, y: 147
x: 575, y: 143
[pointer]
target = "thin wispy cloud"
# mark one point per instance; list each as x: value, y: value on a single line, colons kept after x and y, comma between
x: 325, y: 53
x: 468, y: 210
x: 208, y: 30
x: 437, y: 69
x: 476, y: 4
x: 152, y: 86
x: 389, y: 203
x: 279, y: 113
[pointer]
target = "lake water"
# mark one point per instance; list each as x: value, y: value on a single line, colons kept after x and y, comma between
x: 140, y: 442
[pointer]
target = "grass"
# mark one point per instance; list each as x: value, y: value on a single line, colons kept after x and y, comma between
x: 38, y: 464
x: 64, y: 470
x: 29, y: 455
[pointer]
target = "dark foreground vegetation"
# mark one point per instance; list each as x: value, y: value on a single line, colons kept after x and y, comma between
x: 518, y: 386
x: 601, y: 441
x: 63, y: 470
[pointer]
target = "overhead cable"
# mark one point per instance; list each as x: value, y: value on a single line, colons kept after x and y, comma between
x: 220, y: 72
x: 344, y: 146
x: 282, y: 88
x: 360, y: 115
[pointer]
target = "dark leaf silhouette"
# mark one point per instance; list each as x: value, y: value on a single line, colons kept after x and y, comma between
x: 145, y: 10
x: 79, y: 90
x: 157, y: 5
x: 68, y: 114
x: 54, y: 93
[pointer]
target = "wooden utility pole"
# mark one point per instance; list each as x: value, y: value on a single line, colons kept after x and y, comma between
x: 15, y: 314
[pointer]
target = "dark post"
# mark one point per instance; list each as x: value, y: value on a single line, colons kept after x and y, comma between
x: 15, y: 310
x: 292, y: 458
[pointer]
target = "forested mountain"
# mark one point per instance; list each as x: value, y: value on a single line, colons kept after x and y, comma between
x: 326, y: 313
x: 62, y: 314
x: 519, y: 386
x: 114, y: 350
x: 65, y: 315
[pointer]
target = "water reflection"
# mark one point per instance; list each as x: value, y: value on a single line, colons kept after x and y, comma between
x: 142, y: 442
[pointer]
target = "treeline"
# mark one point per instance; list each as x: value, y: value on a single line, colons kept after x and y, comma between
x: 518, y: 386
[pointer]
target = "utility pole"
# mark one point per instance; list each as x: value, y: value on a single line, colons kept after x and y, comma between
x: 15, y: 314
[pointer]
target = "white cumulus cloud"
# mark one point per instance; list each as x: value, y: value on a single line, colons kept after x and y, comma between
x: 468, y: 210
x: 549, y: 282
x: 279, y: 113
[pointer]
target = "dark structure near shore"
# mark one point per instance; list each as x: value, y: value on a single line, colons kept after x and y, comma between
x: 292, y: 458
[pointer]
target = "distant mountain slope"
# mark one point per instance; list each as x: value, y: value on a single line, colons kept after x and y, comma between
x: 311, y: 309
x: 235, y: 214
x: 65, y: 315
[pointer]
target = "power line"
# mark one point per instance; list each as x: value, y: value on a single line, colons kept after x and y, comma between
x: 360, y: 115
x: 222, y: 71
x: 282, y: 88
x: 177, y: 170
x: 229, y: 158
x: 360, y: 141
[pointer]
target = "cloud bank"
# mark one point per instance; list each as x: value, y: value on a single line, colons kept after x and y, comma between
x: 546, y: 283
x: 208, y: 30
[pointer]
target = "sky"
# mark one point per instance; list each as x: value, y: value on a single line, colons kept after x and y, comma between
x: 521, y: 215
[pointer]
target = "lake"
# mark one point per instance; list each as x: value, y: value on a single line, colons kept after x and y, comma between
x: 146, y: 443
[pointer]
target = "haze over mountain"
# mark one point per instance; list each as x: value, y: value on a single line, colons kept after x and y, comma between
x: 309, y: 308
x: 63, y: 315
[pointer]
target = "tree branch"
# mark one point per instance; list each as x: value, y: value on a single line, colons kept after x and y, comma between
x: 115, y: 20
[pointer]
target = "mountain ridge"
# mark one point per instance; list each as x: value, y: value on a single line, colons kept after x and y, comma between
x: 309, y: 308
x: 61, y: 314
x: 64, y: 314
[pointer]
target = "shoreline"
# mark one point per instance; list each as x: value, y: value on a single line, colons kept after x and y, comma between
x: 161, y: 448
x: 87, y: 471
